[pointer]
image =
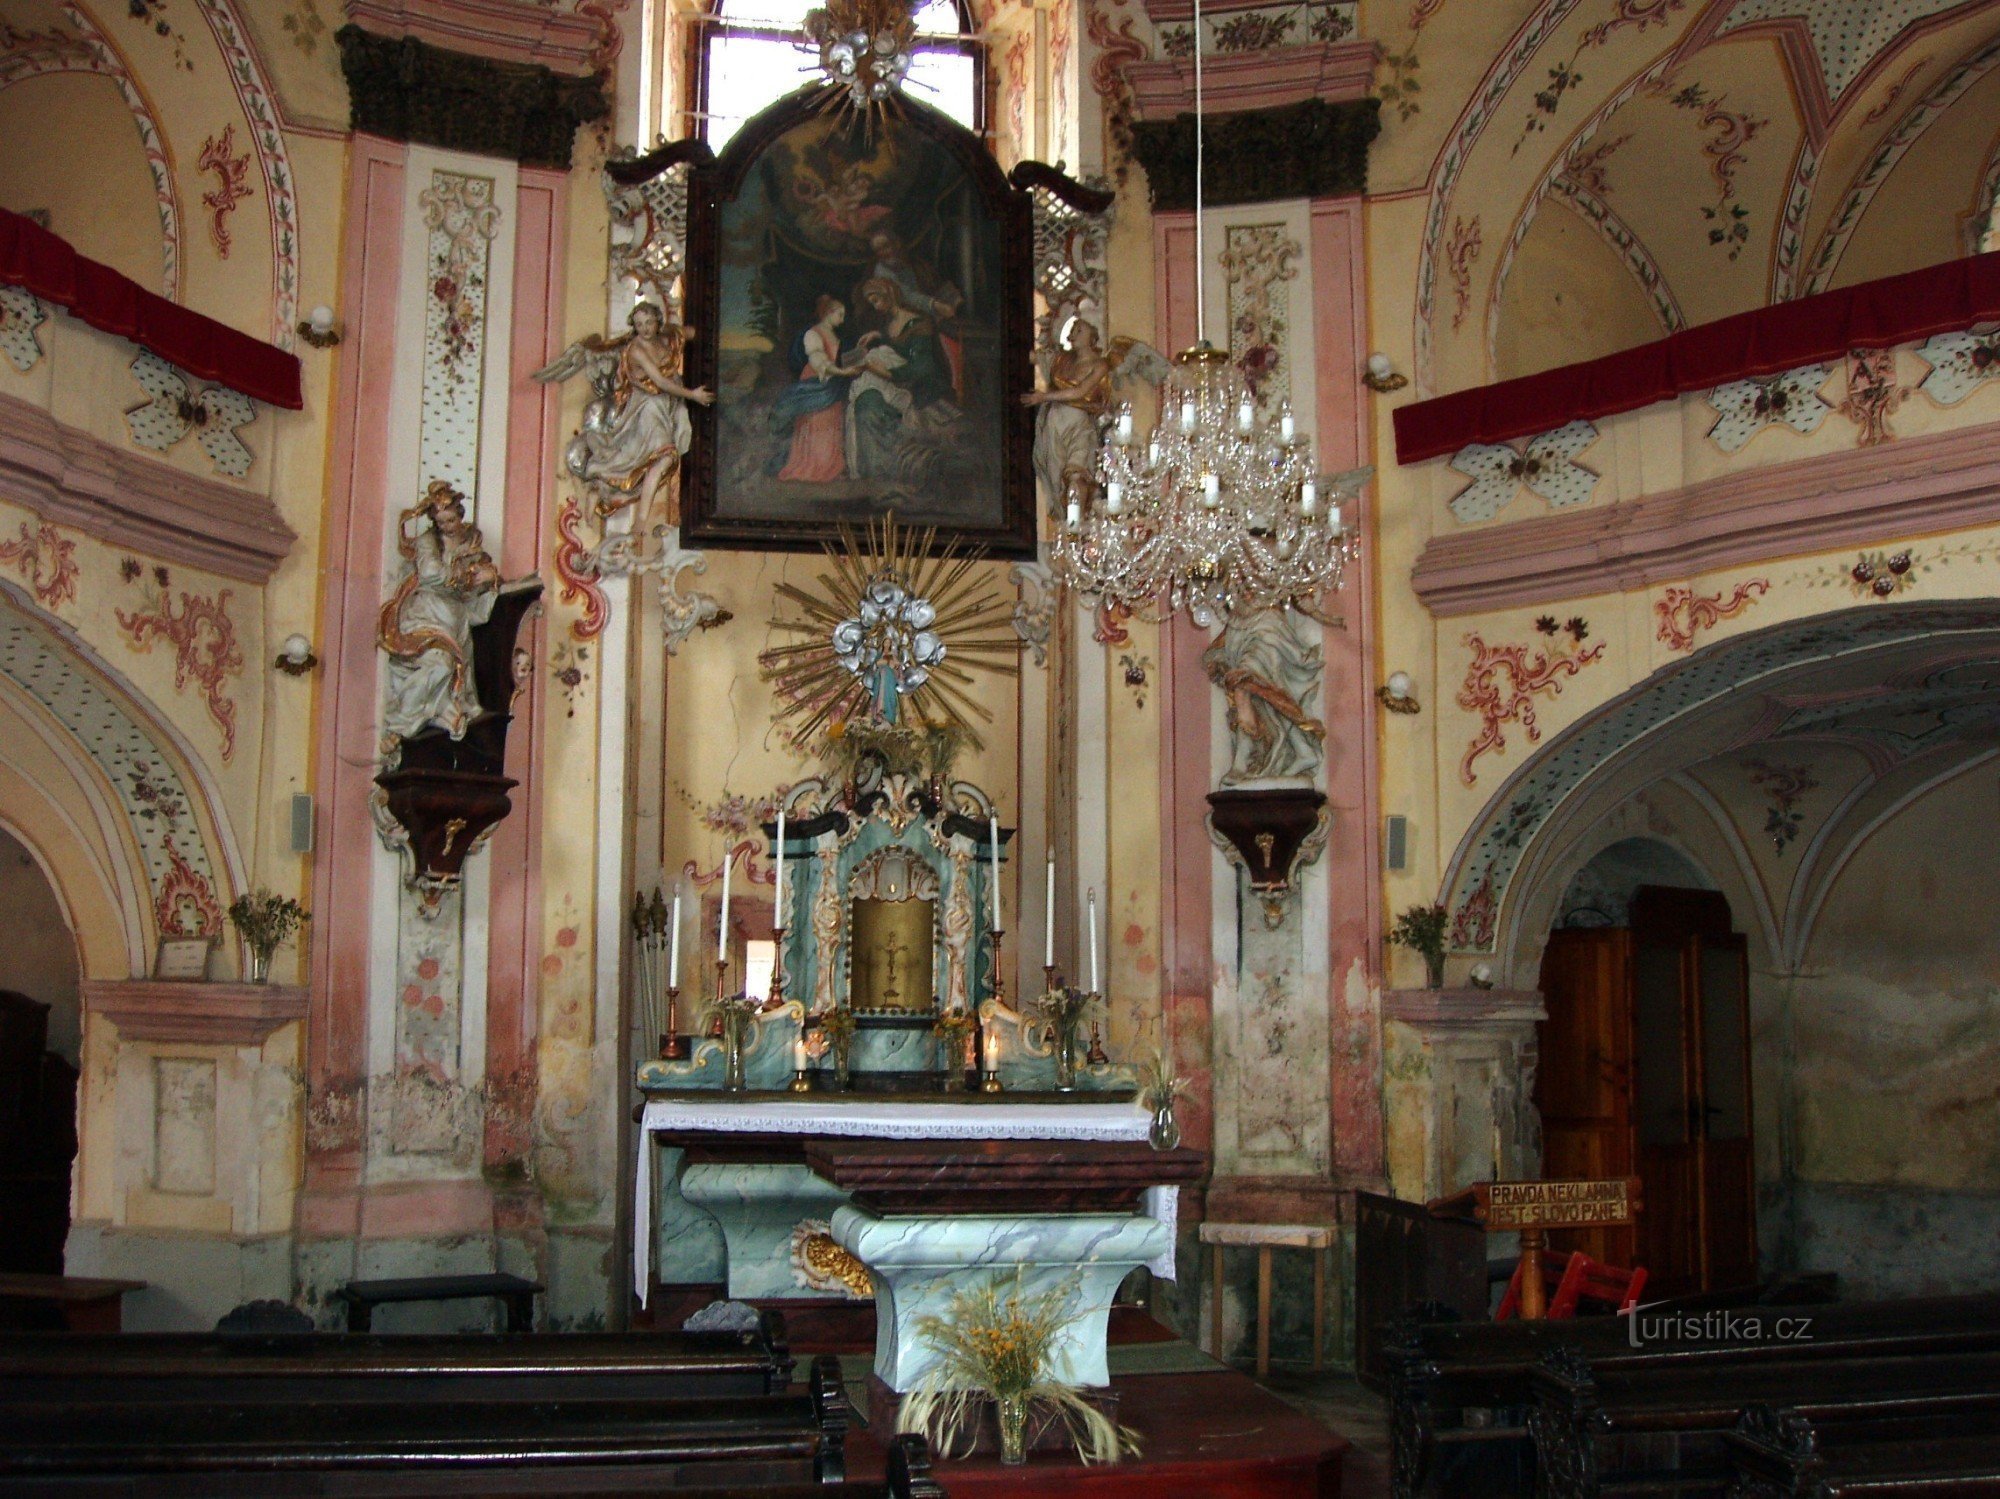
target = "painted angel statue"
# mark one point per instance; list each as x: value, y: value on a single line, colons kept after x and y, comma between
x: 426, y: 624
x: 1068, y: 413
x: 636, y: 430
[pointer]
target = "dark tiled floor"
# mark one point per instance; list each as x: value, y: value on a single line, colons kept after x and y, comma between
x: 1358, y: 1414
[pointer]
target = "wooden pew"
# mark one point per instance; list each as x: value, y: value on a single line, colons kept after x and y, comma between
x: 1782, y: 1454
x: 467, y: 1432
x: 399, y: 1367
x: 1460, y: 1391
x: 1604, y: 1427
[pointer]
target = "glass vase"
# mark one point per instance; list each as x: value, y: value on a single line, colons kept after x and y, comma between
x: 1012, y: 1412
x: 732, y: 1057
x: 1434, y: 971
x: 260, y: 964
x: 1065, y: 1058
x: 842, y: 1049
x: 1165, y: 1132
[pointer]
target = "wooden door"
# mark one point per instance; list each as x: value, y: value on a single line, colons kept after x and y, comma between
x: 1667, y: 1139
x: 1721, y: 970
x: 1583, y: 1086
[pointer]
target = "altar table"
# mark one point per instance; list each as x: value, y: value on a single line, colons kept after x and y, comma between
x: 971, y: 1116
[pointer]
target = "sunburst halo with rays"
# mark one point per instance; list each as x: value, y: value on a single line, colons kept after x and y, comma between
x: 896, y: 633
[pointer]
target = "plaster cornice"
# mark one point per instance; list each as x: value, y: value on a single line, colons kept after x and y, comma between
x: 74, y: 479
x: 195, y: 1013
x: 1334, y: 71
x: 505, y: 30
x: 1918, y: 486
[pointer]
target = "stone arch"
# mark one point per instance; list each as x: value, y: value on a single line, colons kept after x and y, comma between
x: 110, y: 796
x: 1906, y: 687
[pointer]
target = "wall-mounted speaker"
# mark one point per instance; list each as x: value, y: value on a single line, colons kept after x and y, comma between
x: 302, y: 822
x: 1396, y: 843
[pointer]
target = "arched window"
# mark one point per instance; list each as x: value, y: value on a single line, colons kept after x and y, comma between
x: 754, y: 52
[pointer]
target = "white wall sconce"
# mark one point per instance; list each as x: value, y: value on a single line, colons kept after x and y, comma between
x: 1380, y: 375
x: 320, y: 329
x: 295, y: 656
x: 1399, y: 694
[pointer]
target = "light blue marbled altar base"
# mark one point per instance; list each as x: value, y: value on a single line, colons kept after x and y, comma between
x: 757, y: 1207
x: 919, y: 1264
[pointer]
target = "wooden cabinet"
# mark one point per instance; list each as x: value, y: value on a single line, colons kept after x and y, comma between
x: 1645, y: 1071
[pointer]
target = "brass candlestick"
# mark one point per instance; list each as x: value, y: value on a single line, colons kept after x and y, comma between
x: 989, y: 1081
x: 800, y: 1082
x: 673, y: 1045
x: 1096, y: 1057
x: 778, y: 965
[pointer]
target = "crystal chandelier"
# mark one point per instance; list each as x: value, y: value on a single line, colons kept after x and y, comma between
x: 1219, y: 512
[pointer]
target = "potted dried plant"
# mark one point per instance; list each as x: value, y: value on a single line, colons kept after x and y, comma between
x: 265, y: 922
x: 1064, y: 1010
x: 1422, y: 929
x: 837, y: 1024
x: 996, y: 1344
x: 1158, y: 1088
x: 953, y: 1029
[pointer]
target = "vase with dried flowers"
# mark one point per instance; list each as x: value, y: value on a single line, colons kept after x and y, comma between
x: 996, y: 1345
x: 737, y: 1012
x: 1158, y: 1088
x: 837, y: 1025
x: 1063, y: 1009
x: 953, y: 1029
x: 265, y: 922
x: 1422, y: 929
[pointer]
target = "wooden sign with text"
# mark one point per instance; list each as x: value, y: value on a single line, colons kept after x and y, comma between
x: 1505, y: 1206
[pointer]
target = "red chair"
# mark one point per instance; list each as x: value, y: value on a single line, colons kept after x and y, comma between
x: 1582, y: 1277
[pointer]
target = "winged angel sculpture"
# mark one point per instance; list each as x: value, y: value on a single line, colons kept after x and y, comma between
x: 635, y: 429
x: 1083, y: 378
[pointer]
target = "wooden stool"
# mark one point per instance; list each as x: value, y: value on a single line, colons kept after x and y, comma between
x: 1265, y: 1237
x: 516, y: 1294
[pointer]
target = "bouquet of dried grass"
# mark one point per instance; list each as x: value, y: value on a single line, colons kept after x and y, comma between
x: 996, y: 1342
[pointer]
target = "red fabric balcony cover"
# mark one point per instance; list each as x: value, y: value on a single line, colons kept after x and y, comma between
x: 49, y: 267
x: 1765, y: 341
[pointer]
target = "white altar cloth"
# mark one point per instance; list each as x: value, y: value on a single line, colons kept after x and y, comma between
x: 890, y: 1121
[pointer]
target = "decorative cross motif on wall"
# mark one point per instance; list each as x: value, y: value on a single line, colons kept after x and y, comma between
x: 1747, y: 407
x: 20, y: 315
x: 1959, y: 362
x: 175, y: 410
x: 1546, y: 466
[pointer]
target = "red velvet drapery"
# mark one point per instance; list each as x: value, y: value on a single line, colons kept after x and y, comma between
x: 49, y: 266
x: 1766, y: 341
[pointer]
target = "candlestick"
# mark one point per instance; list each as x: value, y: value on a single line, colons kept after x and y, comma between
x: 1091, y: 905
x: 674, y: 950
x: 673, y: 1045
x: 1049, y: 919
x: 993, y: 832
x: 778, y: 896
x: 722, y: 926
x: 721, y: 993
x: 777, y: 993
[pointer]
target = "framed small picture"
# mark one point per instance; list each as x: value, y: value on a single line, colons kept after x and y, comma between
x: 183, y: 959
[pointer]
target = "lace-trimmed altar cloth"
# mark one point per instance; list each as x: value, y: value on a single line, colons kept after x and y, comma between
x: 891, y: 1121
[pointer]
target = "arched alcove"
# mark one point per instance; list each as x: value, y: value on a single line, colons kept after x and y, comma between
x: 38, y: 957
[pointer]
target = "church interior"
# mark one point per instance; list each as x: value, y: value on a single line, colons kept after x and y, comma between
x: 986, y: 747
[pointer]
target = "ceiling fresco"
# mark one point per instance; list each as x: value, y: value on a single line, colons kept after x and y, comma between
x: 1725, y: 153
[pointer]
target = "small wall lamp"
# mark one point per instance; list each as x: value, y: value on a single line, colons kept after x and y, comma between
x: 1399, y: 694
x: 320, y: 329
x: 1380, y: 375
x: 295, y: 656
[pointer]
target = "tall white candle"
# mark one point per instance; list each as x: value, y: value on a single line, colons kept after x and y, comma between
x: 993, y: 832
x: 1093, y: 910
x: 993, y: 1050
x: 722, y: 926
x: 674, y: 950
x: 778, y: 898
x: 799, y: 1049
x: 1049, y: 920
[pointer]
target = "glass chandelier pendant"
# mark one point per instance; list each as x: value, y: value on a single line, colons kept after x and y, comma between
x: 1219, y: 511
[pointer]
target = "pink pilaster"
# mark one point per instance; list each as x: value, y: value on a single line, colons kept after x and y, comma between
x: 533, y: 439
x: 351, y: 594
x: 1353, y: 859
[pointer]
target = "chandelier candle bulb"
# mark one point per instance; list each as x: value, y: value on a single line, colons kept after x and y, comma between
x: 1288, y: 430
x: 1211, y: 490
x: 1114, y: 498
x: 1153, y: 450
x: 1124, y: 425
x: 1073, y: 516
x: 1187, y: 415
x: 1246, y: 416
x: 1308, y: 498
x: 1333, y: 517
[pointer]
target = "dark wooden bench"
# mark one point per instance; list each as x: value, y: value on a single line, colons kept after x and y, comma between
x: 1607, y: 1428
x: 1460, y: 1392
x: 514, y: 1293
x: 138, y: 1367
x: 1782, y: 1454
x: 457, y: 1440
x: 83, y: 1303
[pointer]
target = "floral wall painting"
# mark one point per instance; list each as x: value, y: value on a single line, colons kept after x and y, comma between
x: 1503, y: 681
x: 1783, y: 786
x: 46, y: 560
x: 861, y: 308
x: 1546, y: 466
x: 1873, y: 395
x: 1682, y: 614
x: 218, y: 155
x: 1959, y: 362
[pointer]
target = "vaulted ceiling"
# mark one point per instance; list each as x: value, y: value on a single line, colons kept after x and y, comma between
x: 1601, y: 172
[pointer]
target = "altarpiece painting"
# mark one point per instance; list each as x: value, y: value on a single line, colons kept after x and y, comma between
x: 868, y: 283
